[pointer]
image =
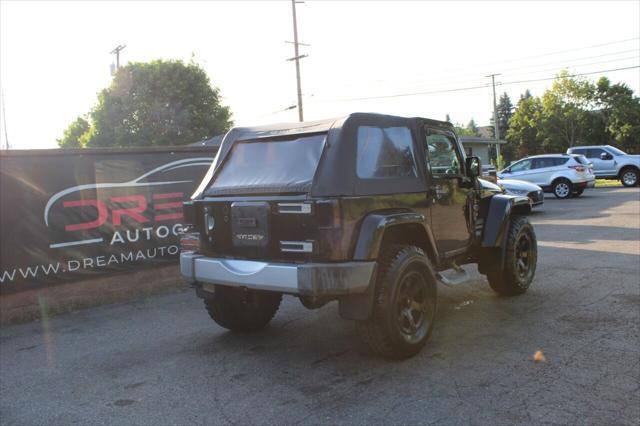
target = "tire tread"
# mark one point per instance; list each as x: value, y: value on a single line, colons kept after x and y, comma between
x: 504, y: 281
x: 225, y: 308
x: 373, y: 331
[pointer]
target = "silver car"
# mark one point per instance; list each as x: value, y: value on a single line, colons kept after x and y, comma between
x: 562, y: 174
x: 611, y: 163
x: 524, y: 189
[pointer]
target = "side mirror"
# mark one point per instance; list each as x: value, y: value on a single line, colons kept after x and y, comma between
x: 472, y: 166
x: 605, y: 156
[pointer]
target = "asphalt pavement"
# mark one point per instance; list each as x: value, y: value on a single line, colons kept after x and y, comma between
x: 161, y: 360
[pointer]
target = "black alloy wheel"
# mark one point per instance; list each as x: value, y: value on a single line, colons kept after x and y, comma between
x: 412, y: 307
x: 404, y: 305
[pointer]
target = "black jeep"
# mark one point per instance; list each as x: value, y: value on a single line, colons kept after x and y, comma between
x: 369, y: 210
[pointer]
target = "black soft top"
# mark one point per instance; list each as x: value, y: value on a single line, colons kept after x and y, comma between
x: 336, y: 172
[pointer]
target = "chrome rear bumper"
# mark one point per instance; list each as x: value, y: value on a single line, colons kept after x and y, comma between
x: 307, y: 279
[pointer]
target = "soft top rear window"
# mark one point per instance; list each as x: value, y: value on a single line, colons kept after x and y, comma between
x: 269, y: 166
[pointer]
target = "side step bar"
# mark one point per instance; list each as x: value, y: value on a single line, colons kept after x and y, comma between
x: 454, y: 276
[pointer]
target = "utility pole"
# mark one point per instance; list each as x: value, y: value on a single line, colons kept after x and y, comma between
x: 297, y: 58
x: 495, y: 115
x: 116, y: 52
x: 4, y: 120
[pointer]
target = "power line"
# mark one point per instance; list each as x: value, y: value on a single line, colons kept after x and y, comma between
x: 462, y: 89
x: 430, y: 83
x: 573, y: 66
x: 571, y: 60
x: 572, y: 75
x: 290, y: 107
x: 452, y: 72
x: 568, y: 50
x: 435, y: 83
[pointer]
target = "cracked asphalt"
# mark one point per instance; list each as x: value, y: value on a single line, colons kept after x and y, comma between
x: 161, y: 360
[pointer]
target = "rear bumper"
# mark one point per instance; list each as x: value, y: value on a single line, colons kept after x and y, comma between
x: 307, y: 279
x: 586, y: 184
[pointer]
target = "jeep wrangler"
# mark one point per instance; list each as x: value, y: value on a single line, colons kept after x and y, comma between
x: 368, y: 210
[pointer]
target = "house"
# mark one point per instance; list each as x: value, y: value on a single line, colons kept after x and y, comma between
x: 479, y: 146
x: 485, y: 132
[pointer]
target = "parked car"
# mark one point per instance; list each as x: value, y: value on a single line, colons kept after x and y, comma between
x: 488, y: 170
x: 489, y: 187
x: 562, y: 174
x: 611, y: 163
x: 369, y: 210
x: 523, y: 189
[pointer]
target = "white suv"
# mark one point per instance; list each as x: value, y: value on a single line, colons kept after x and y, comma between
x: 562, y: 174
x: 611, y: 163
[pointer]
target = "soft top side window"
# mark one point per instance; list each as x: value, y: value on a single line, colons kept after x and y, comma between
x: 385, y: 152
x: 442, y: 155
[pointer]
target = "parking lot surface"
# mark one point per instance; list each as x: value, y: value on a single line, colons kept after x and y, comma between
x: 161, y: 360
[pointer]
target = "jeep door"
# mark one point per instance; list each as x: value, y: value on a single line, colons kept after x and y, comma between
x: 449, y: 191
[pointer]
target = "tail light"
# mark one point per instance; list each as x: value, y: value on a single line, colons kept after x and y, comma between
x: 577, y: 168
x: 189, y: 240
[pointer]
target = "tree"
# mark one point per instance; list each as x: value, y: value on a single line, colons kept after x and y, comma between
x: 576, y: 111
x: 157, y: 103
x: 524, y: 127
x: 505, y: 111
x: 470, y: 130
x: 620, y: 113
x: 565, y: 112
x: 473, y: 128
x: 73, y: 135
x: 525, y: 95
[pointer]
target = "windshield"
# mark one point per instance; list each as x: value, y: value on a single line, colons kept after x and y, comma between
x: 615, y: 151
x: 282, y: 165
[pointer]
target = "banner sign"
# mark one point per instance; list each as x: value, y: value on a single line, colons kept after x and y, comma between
x: 68, y: 215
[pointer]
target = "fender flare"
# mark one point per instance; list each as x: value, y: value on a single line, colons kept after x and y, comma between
x: 371, y: 233
x: 375, y: 224
x: 496, y: 223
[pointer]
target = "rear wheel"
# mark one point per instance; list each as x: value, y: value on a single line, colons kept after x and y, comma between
x: 629, y: 177
x: 405, y: 304
x: 521, y: 255
x: 241, y: 309
x: 562, y: 188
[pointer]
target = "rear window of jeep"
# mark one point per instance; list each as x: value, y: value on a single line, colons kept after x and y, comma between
x: 280, y: 164
x: 385, y: 152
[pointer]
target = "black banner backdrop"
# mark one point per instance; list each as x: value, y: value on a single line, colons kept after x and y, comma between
x: 74, y: 214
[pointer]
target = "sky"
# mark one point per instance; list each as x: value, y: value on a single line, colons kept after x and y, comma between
x: 55, y: 56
